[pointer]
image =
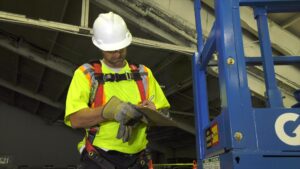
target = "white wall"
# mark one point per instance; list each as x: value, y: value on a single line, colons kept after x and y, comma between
x: 30, y: 141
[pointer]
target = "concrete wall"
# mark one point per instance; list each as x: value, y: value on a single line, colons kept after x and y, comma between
x: 30, y: 141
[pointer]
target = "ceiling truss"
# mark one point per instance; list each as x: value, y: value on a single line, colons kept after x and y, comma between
x: 67, y: 69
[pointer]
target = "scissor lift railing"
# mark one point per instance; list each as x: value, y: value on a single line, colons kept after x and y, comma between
x: 243, y: 136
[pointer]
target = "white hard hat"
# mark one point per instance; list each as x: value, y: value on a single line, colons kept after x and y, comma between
x: 110, y: 32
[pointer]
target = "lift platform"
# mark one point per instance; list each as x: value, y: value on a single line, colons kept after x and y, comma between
x: 243, y: 137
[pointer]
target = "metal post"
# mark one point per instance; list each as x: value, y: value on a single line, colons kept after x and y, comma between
x: 197, y: 9
x: 235, y: 95
x: 200, y: 91
x: 85, y: 13
x: 274, y: 98
x: 201, y: 107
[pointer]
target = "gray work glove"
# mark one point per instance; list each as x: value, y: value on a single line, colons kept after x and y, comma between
x: 124, y: 132
x: 124, y: 113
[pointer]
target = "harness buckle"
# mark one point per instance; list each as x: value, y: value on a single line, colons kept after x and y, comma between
x: 116, y: 77
x: 108, y: 77
x: 104, y: 78
x: 91, y: 153
x: 128, y: 76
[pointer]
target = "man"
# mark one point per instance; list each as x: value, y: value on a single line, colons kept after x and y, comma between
x: 104, y: 98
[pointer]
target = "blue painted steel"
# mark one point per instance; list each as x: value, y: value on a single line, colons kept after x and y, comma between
x: 261, y: 144
x: 200, y: 106
x: 274, y: 6
x: 200, y: 90
x: 297, y: 95
x: 278, y: 60
x: 269, y: 2
x: 197, y: 9
x: 234, y: 91
x: 274, y: 98
x: 297, y: 105
x: 237, y: 159
x: 209, y: 48
x: 288, y: 8
x: 221, y: 146
x: 265, y: 119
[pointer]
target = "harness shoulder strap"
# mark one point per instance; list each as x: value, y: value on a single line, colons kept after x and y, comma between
x: 139, y: 81
x: 98, y: 100
x: 93, y: 70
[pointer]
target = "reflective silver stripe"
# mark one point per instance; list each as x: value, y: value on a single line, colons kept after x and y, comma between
x: 94, y: 83
x: 88, y: 69
x: 144, y: 78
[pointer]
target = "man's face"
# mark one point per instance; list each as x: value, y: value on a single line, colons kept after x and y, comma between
x: 115, y: 58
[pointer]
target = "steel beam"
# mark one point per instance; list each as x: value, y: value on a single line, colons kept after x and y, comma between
x: 55, y: 64
x: 85, y: 13
x: 281, y: 39
x: 141, y: 22
x: 253, y: 50
x: 40, y: 77
x: 147, y: 12
x: 86, y: 32
x: 57, y: 33
x: 150, y: 43
x: 284, y: 41
x: 165, y: 63
x: 61, y: 27
x: 179, y: 86
x: 136, y: 41
x: 257, y: 86
x: 188, y: 51
x: 17, y: 65
x: 291, y: 21
x: 25, y: 51
x: 31, y: 94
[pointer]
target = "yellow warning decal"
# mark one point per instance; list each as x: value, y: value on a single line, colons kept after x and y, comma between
x: 212, y: 135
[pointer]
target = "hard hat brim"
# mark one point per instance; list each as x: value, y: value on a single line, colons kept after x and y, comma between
x: 113, y: 46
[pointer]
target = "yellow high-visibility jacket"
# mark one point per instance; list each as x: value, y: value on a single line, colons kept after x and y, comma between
x: 126, y: 90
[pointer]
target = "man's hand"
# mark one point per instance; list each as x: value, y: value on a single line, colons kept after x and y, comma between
x: 149, y: 104
x: 124, y: 132
x: 124, y: 113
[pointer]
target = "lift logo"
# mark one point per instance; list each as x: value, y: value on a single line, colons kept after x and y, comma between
x: 293, y: 138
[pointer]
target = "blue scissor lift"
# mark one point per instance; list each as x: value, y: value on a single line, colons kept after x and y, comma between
x: 243, y: 137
